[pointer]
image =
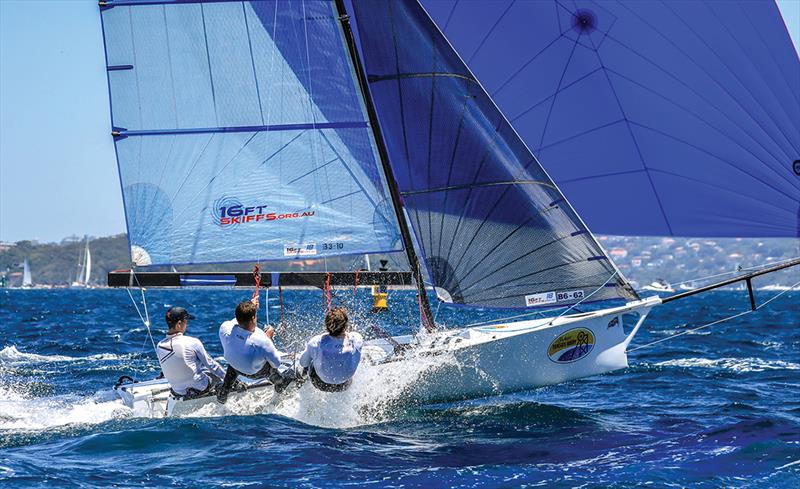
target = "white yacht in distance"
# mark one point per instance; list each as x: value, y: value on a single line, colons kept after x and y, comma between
x: 27, y: 280
x: 84, y: 268
x: 659, y: 285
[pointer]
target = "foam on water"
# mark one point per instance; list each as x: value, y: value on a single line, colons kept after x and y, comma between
x: 378, y: 394
x: 12, y: 356
x: 21, y: 412
x: 732, y: 364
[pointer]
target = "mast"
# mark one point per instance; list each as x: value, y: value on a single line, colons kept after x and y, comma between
x: 397, y: 203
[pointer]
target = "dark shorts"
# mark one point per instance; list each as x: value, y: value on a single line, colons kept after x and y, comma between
x: 324, y: 386
x: 191, y: 393
x: 279, y: 381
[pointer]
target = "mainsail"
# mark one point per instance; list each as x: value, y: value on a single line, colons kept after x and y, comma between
x: 654, y: 117
x: 493, y: 228
x: 241, y: 133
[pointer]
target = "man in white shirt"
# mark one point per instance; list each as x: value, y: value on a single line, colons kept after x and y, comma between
x: 249, y: 351
x: 332, y: 358
x: 191, y: 372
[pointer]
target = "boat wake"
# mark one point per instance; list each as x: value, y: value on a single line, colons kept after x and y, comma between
x: 731, y: 364
x: 22, y: 412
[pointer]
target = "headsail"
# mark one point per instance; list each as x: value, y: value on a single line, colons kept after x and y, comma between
x: 654, y: 117
x: 492, y: 226
x: 241, y: 134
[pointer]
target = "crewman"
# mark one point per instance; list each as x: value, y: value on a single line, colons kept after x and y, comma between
x: 332, y: 358
x: 250, y: 351
x: 191, y: 372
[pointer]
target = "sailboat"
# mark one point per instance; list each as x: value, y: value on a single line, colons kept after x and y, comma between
x: 27, y: 280
x: 262, y: 131
x: 84, y: 268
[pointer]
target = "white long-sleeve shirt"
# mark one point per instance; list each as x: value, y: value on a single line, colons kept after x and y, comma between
x: 247, y: 351
x: 335, y: 359
x: 183, y: 360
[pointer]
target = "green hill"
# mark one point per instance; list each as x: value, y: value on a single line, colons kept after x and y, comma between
x: 640, y: 259
x: 57, y: 264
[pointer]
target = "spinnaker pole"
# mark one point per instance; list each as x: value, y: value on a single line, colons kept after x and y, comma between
x: 397, y: 203
x: 747, y: 278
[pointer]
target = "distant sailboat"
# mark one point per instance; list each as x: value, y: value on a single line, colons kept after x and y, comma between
x: 27, y: 280
x: 84, y: 268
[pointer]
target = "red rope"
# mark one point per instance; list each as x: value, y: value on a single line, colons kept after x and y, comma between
x: 422, y: 317
x: 328, y: 291
x: 257, y: 278
x: 280, y: 301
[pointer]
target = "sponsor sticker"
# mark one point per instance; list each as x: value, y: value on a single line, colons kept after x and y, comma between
x: 539, y: 299
x: 553, y: 297
x: 571, y: 346
x: 300, y: 250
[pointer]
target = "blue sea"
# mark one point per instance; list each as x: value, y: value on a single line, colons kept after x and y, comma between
x: 716, y: 408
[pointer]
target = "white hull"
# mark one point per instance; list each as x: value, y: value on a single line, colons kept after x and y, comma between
x: 464, y: 364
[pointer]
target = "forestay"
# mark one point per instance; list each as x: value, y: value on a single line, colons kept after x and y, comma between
x: 492, y: 226
x: 241, y: 134
x: 654, y: 117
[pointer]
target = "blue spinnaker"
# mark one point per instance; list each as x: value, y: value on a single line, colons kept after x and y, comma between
x: 492, y: 227
x: 654, y: 117
x: 241, y: 133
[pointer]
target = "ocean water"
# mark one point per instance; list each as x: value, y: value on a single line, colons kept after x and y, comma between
x: 716, y: 408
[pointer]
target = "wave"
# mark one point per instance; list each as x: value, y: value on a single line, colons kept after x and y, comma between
x: 11, y: 355
x: 21, y: 413
x: 731, y: 364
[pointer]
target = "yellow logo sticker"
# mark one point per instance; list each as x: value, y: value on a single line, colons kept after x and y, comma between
x: 571, y: 346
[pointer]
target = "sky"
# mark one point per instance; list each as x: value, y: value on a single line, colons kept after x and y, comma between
x: 58, y: 174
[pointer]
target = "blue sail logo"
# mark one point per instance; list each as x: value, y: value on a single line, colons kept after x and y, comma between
x: 229, y: 211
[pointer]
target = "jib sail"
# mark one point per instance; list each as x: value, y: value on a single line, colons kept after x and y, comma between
x: 241, y: 133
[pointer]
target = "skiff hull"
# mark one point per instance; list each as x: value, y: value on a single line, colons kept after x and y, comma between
x: 471, y: 363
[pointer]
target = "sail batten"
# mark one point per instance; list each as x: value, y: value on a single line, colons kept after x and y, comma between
x: 241, y: 134
x: 493, y: 228
x: 119, y: 132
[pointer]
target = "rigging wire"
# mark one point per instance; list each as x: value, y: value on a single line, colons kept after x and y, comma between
x: 144, y: 317
x: 734, y: 316
x: 754, y: 267
x: 533, y: 313
x: 525, y: 314
x: 573, y: 306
